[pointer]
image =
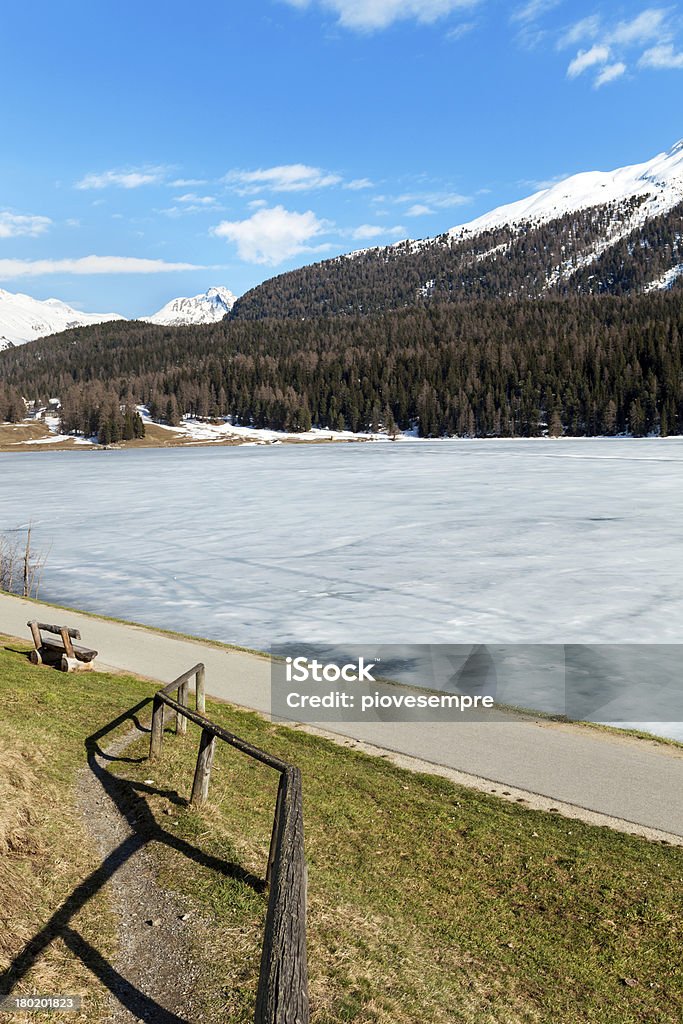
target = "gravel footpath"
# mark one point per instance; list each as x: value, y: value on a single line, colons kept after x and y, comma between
x: 154, y: 973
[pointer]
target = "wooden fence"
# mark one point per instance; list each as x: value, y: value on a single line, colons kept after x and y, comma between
x: 282, y: 996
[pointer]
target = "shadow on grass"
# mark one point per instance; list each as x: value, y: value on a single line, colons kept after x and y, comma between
x: 125, y: 794
x: 24, y: 649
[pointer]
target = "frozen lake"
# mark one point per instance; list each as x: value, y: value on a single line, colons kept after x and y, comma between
x: 502, y: 543
x: 434, y: 542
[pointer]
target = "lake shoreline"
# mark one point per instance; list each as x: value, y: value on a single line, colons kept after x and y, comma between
x: 40, y: 435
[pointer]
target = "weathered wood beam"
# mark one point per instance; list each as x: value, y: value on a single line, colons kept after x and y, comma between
x: 35, y: 633
x: 66, y: 640
x: 282, y: 996
x: 202, y: 775
x: 181, y: 720
x: 67, y: 664
x: 73, y: 633
x: 216, y: 730
x: 200, y: 689
x: 276, y: 825
x: 157, y: 735
x: 185, y: 677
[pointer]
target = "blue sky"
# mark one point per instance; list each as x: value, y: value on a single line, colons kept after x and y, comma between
x: 152, y: 150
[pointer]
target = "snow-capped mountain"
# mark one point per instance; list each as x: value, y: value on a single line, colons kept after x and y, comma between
x: 23, y: 318
x: 600, y: 232
x: 199, y: 309
x: 658, y: 181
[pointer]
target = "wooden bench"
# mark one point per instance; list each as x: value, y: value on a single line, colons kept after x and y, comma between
x: 54, y: 646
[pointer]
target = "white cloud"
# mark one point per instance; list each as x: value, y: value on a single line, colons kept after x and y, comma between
x: 365, y: 232
x: 367, y: 15
x: 586, y: 28
x: 615, y: 44
x: 190, y: 202
x: 610, y: 73
x: 130, y: 178
x: 14, y: 225
x: 272, y: 234
x: 541, y: 184
x: 649, y: 25
x: 187, y: 182
x: 356, y: 184
x: 284, y: 178
x: 441, y: 200
x: 460, y: 31
x: 91, y: 265
x: 534, y: 9
x: 195, y: 200
x: 588, y: 59
x: 418, y: 210
x: 661, y: 57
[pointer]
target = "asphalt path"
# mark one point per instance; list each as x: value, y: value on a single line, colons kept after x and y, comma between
x: 600, y: 776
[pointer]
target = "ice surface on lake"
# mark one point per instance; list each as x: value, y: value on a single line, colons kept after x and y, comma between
x: 492, y: 542
x: 446, y: 541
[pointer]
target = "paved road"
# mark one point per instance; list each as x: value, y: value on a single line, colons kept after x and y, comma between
x: 623, y: 778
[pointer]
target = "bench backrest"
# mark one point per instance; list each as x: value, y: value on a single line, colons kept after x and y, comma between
x: 73, y: 633
x: 63, y: 631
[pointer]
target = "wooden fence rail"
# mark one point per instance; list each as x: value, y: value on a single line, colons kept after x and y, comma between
x: 282, y: 995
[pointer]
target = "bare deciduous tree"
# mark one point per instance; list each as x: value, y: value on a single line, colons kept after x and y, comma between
x: 21, y: 567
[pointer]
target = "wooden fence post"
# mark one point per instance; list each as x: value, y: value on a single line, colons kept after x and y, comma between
x: 200, y: 786
x: 181, y: 721
x: 157, y: 737
x: 282, y: 996
x: 200, y: 679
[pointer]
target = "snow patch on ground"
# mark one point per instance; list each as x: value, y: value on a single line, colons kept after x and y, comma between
x: 666, y: 281
x: 199, y: 430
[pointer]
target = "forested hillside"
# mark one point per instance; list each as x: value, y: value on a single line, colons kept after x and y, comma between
x: 583, y: 365
x: 586, y: 251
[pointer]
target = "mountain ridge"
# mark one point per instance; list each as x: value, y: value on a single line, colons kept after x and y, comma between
x: 658, y: 179
x: 24, y: 319
x: 613, y: 232
x: 558, y: 240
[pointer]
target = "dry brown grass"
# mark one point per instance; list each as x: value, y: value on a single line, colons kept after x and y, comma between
x: 46, y: 851
x: 13, y: 438
x: 39, y: 862
x: 21, y: 842
x: 12, y: 433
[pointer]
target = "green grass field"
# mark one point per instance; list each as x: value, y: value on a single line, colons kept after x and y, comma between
x: 427, y: 901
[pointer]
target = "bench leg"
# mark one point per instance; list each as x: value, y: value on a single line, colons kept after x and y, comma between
x: 74, y: 665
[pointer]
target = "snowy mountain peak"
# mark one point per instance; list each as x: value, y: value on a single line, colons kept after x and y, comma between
x: 23, y: 318
x: 221, y: 294
x: 208, y: 308
x: 658, y: 182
